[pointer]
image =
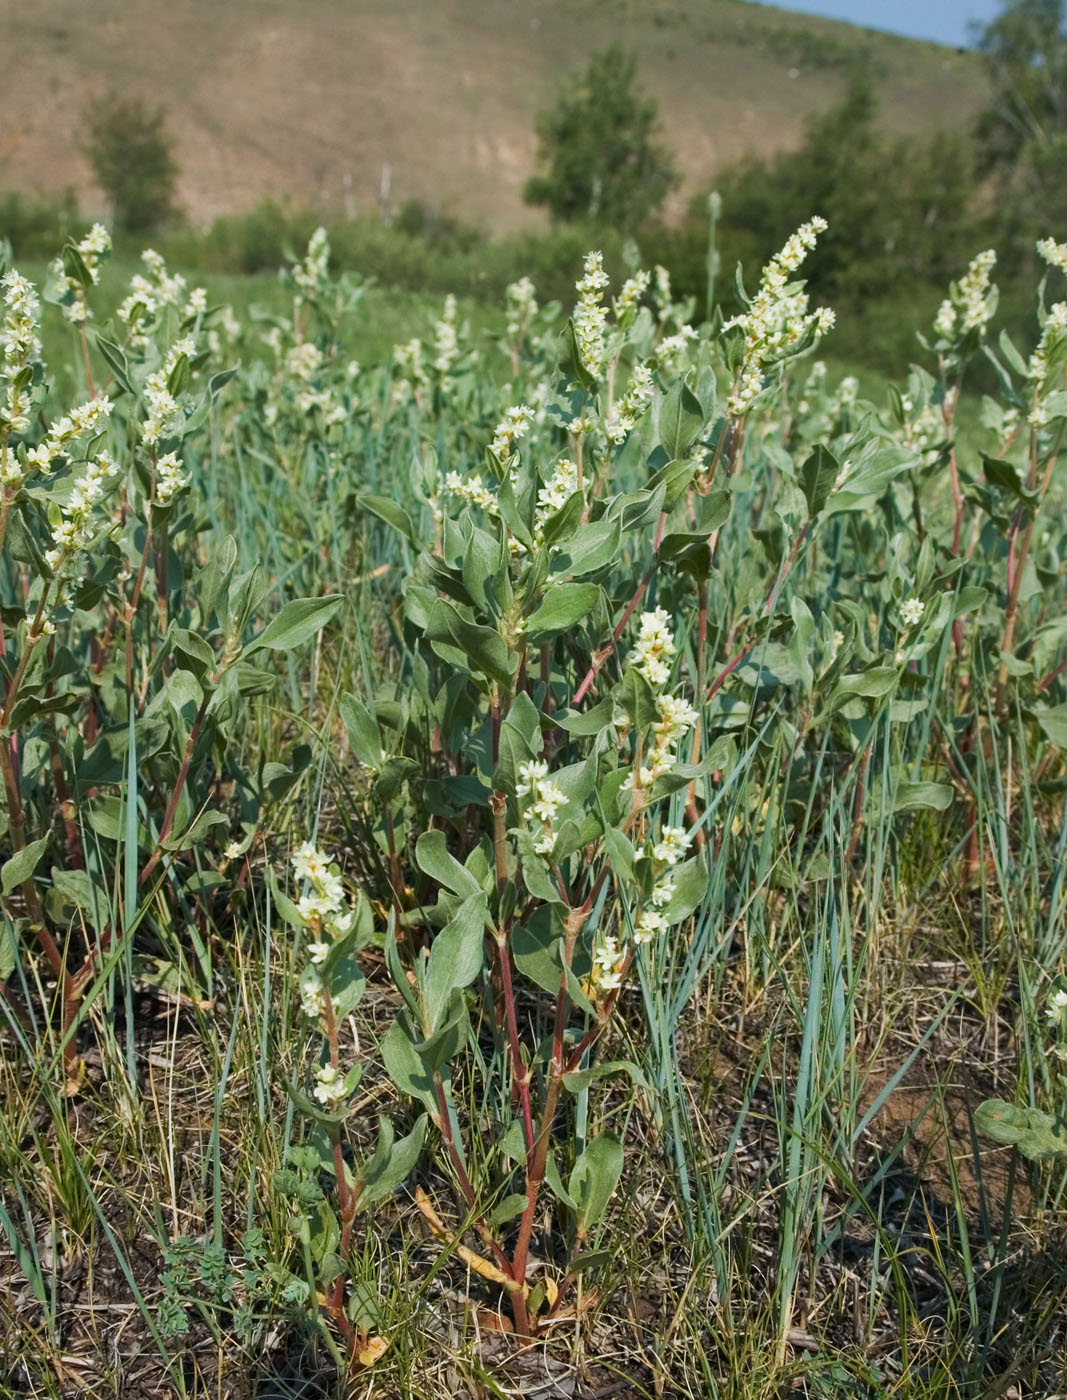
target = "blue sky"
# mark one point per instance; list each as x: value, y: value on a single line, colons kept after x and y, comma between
x: 946, y: 21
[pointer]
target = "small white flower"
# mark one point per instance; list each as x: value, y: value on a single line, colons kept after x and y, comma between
x: 233, y: 850
x: 1055, y: 254
x: 530, y: 774
x: 608, y: 962
x: 1057, y: 1004
x: 318, y: 952
x: 649, y: 923
x: 655, y: 646
x: 330, y: 1086
x: 912, y: 611
x: 312, y: 1002
x: 672, y: 845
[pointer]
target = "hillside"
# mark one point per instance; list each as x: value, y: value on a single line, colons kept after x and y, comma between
x: 316, y: 100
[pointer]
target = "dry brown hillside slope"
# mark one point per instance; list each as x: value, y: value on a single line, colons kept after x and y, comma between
x: 313, y: 99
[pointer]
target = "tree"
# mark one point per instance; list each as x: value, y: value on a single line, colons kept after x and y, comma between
x: 130, y: 152
x: 898, y: 208
x: 599, y: 151
x: 1022, y: 134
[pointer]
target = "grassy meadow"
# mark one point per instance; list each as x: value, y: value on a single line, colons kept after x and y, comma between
x: 533, y: 848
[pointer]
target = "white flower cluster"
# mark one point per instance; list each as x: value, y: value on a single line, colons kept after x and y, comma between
x: 409, y: 363
x: 323, y: 910
x: 330, y: 1086
x: 923, y: 430
x: 554, y: 495
x: 609, y: 963
x: 169, y: 479
x: 161, y: 404
x: 224, y: 331
x: 472, y: 489
x: 590, y: 314
x: 153, y: 289
x: 1050, y: 349
x: 676, y: 717
x: 669, y: 351
x: 323, y: 907
x: 301, y: 366
x: 1055, y: 254
x: 847, y: 394
x: 83, y: 421
x: 310, y: 275
x: 625, y: 413
x: 655, y: 647
x: 629, y: 298
x: 668, y: 851
x: 514, y: 425
x: 777, y: 318
x: 1056, y: 1011
x: 445, y: 341
x: 21, y: 344
x: 521, y: 304
x: 969, y: 305
x: 74, y: 528
x: 1057, y: 1003
x: 663, y: 292
x: 93, y: 250
x: 545, y: 800
x: 911, y: 611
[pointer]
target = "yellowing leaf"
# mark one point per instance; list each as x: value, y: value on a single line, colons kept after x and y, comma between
x: 374, y: 1350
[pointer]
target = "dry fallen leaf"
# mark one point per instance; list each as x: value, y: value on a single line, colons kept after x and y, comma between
x: 373, y: 1351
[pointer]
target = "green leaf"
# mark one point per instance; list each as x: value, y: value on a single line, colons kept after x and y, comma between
x: 1034, y: 1133
x: 433, y: 858
x: 934, y: 797
x: 9, y: 949
x: 456, y: 957
x: 582, y: 1078
x: 585, y: 722
x: 482, y: 648
x: 1053, y: 721
x: 390, y: 1163
x: 22, y: 864
x: 78, y: 888
x: 115, y: 359
x: 570, y: 358
x: 681, y: 418
x: 362, y: 730
x: 873, y: 683
x: 508, y: 1209
x: 385, y: 508
x: 296, y: 622
x: 690, y: 885
x: 564, y: 605
x: 345, y: 978
x: 595, y: 1176
x: 405, y: 1066
x: 1005, y: 476
x: 817, y: 477
x: 590, y: 548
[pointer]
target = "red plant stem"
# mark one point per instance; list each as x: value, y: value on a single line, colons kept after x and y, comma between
x: 603, y: 654
x: 520, y: 1072
x: 537, y: 1158
x: 1046, y: 681
x: 444, y: 1126
x: 175, y: 797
